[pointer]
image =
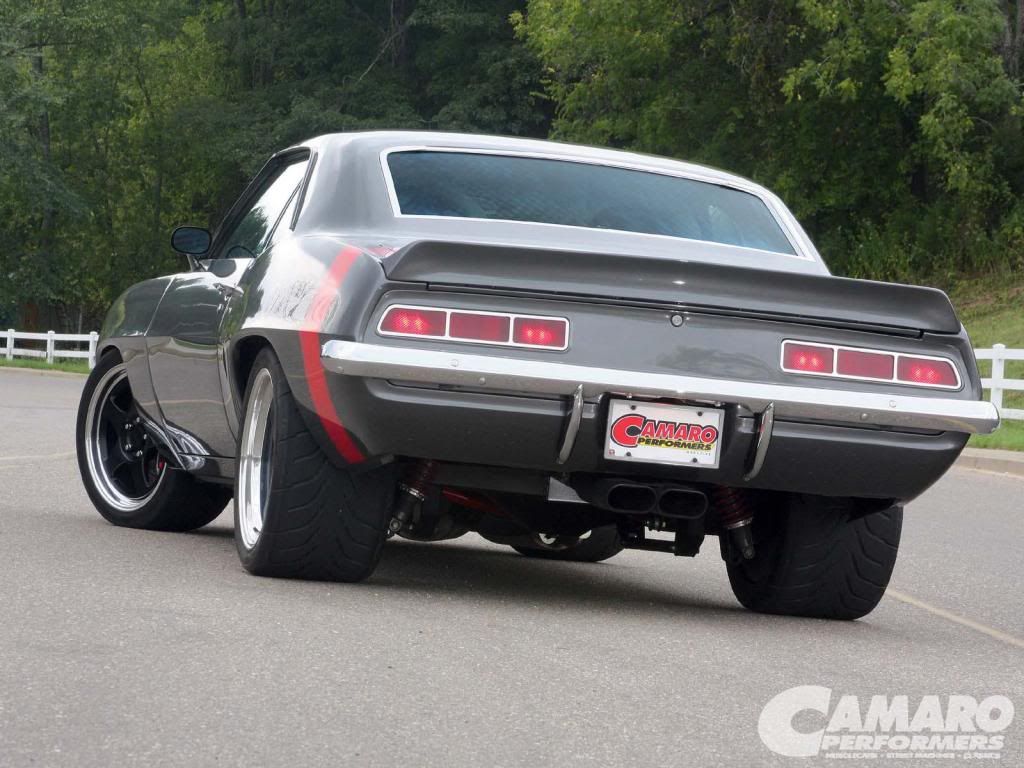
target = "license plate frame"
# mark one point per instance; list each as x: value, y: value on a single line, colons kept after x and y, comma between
x: 664, y: 433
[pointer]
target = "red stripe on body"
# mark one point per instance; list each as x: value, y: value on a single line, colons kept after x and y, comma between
x: 309, y: 341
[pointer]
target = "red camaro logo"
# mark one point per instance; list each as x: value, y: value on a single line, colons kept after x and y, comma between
x: 633, y: 429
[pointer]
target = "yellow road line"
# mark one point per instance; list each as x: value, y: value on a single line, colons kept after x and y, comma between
x: 956, y: 619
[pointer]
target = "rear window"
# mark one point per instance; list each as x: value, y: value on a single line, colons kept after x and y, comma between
x: 513, y: 188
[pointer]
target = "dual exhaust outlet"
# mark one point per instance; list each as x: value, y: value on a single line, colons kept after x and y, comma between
x: 665, y: 500
x: 683, y: 503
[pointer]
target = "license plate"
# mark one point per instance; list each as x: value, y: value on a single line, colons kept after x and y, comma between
x: 657, y: 433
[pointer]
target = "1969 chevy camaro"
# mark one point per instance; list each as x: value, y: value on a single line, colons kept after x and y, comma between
x: 567, y: 350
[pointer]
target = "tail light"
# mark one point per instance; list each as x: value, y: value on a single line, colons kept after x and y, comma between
x: 413, y: 321
x: 868, y: 365
x: 500, y: 328
x: 865, y: 365
x: 540, y: 332
x: 927, y: 371
x: 473, y: 326
x: 808, y: 358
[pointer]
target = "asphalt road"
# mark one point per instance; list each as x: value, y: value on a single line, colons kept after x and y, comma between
x: 122, y: 647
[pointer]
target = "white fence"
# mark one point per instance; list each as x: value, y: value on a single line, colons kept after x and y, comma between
x: 52, y: 351
x: 998, y: 383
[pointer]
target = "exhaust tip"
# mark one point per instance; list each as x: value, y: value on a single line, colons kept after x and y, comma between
x: 682, y: 503
x: 626, y: 497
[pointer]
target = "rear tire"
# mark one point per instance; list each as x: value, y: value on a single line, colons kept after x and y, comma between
x: 602, y: 543
x: 128, y: 481
x: 296, y: 514
x: 815, y: 557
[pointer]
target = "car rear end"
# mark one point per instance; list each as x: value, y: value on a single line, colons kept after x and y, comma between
x: 787, y: 411
x: 489, y: 370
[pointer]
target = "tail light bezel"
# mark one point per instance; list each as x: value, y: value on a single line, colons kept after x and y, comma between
x: 837, y: 349
x: 449, y: 311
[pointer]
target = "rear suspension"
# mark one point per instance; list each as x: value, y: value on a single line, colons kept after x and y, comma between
x: 411, y: 494
x: 735, y: 512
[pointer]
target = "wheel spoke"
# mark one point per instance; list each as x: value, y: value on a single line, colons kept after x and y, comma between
x: 151, y: 466
x: 121, y: 473
x: 121, y: 397
x: 112, y: 416
x: 138, y: 475
x: 110, y: 444
x: 117, y: 462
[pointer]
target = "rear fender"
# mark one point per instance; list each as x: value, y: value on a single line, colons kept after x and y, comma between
x: 304, y: 292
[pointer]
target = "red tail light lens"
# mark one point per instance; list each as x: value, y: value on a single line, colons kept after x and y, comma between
x: 808, y: 358
x: 475, y: 327
x: 865, y: 365
x: 414, y: 322
x: 926, y: 371
x: 868, y: 365
x: 539, y: 332
x: 501, y: 328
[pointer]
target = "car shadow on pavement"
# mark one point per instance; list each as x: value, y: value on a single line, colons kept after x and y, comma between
x: 485, y: 573
x: 474, y: 571
x: 481, y: 573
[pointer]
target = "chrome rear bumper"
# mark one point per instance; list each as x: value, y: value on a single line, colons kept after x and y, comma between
x: 793, y: 403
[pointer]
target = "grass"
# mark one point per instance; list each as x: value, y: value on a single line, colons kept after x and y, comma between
x: 1009, y: 436
x: 68, y: 366
x: 992, y: 310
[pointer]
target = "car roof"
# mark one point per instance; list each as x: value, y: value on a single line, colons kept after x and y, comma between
x: 338, y: 204
x: 385, y: 140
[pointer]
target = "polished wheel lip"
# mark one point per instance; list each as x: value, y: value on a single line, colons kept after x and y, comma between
x: 94, y: 447
x: 254, y: 459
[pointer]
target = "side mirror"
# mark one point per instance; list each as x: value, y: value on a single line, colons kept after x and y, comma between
x: 193, y: 241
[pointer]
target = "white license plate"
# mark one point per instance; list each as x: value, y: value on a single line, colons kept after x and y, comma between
x: 657, y: 433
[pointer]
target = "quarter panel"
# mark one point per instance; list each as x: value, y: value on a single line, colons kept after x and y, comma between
x: 296, y: 296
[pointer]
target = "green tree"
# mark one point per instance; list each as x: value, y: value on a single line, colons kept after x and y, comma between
x: 156, y: 112
x: 892, y: 129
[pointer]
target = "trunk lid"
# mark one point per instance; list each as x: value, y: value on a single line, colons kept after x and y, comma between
x: 687, y: 285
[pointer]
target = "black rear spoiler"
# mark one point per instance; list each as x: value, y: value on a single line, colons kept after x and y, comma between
x: 685, y: 284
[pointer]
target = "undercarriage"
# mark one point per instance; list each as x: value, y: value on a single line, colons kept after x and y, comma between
x: 555, y: 513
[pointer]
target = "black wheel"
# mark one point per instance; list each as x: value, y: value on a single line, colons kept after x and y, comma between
x: 817, y: 557
x: 127, y: 479
x: 296, y: 514
x: 601, y: 544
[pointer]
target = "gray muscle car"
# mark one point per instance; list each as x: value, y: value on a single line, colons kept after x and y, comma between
x: 567, y: 350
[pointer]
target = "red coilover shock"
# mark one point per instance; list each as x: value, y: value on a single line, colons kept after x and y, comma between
x: 735, y: 512
x: 412, y: 493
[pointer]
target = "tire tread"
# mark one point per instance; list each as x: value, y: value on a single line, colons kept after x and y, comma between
x: 819, y: 559
x: 323, y: 523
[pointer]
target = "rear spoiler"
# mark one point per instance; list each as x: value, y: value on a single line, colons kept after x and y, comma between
x: 684, y: 284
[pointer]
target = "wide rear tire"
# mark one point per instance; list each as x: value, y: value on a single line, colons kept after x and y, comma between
x: 818, y: 557
x: 127, y: 479
x: 296, y: 514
